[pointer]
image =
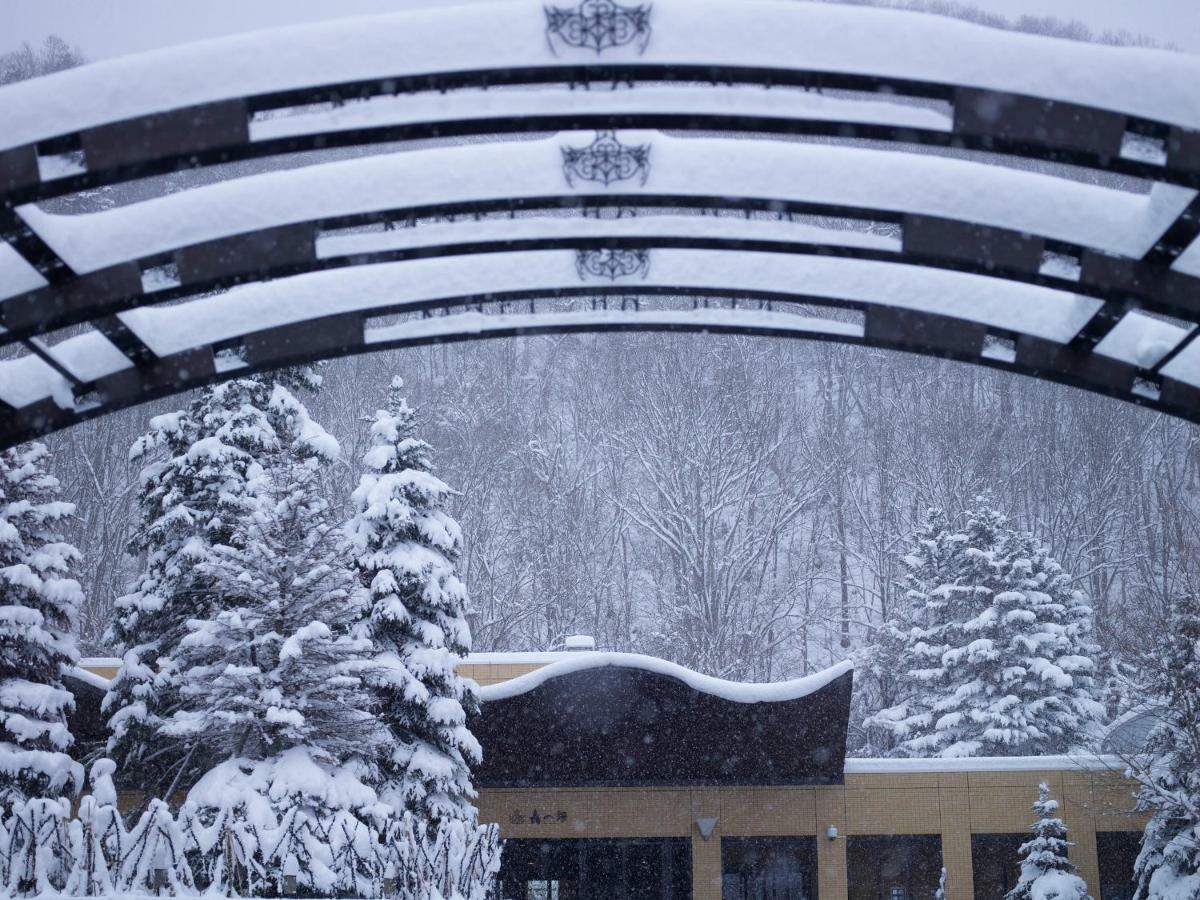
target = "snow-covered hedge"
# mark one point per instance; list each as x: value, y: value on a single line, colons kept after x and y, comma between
x: 45, y: 850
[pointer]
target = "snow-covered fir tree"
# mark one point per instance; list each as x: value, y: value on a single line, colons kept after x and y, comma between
x: 38, y: 603
x: 271, y: 684
x: 999, y: 648
x: 197, y: 491
x: 1046, y: 872
x: 406, y: 547
x: 1168, y: 867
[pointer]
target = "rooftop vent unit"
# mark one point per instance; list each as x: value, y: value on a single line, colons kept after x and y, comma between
x: 576, y: 642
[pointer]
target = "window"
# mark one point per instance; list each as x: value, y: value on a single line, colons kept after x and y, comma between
x: 894, y: 867
x: 582, y: 869
x: 768, y: 868
x: 1118, y: 852
x: 996, y: 864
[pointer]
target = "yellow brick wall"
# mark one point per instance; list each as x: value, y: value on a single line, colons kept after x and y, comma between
x: 493, y: 673
x: 954, y: 805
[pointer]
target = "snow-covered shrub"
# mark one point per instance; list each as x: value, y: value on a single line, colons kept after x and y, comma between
x: 244, y: 851
x: 36, y: 847
x: 97, y: 837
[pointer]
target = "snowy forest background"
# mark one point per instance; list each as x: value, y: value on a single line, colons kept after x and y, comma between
x: 736, y: 505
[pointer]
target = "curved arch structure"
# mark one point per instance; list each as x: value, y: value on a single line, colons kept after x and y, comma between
x: 807, y: 170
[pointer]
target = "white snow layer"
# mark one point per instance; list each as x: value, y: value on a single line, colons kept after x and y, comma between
x: 865, y: 766
x: 1152, y: 83
x: 1141, y: 340
x: 1051, y: 314
x: 16, y: 275
x: 91, y: 678
x: 1103, y: 218
x: 528, y: 323
x: 726, y: 226
x: 738, y: 692
x: 1188, y: 262
x: 509, y: 103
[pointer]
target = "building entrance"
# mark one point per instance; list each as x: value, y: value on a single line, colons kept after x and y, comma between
x: 592, y: 869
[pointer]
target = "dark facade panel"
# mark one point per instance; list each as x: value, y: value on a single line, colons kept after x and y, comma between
x: 894, y: 866
x: 996, y: 863
x: 180, y: 131
x: 1014, y: 117
x: 615, y: 725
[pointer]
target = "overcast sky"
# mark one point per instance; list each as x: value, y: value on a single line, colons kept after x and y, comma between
x: 104, y: 28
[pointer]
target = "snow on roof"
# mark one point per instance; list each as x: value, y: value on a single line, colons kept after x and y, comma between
x: 1103, y: 218
x: 756, y: 33
x: 738, y: 692
x: 101, y: 662
x: 82, y: 674
x: 863, y: 766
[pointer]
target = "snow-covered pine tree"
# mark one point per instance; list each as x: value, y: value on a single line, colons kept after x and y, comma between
x: 1001, y: 656
x: 1168, y: 867
x: 197, y: 491
x: 1046, y: 872
x: 272, y: 682
x: 38, y: 603
x: 406, y: 547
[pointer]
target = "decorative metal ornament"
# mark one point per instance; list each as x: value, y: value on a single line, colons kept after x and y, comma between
x: 598, y: 25
x: 606, y: 160
x: 606, y: 262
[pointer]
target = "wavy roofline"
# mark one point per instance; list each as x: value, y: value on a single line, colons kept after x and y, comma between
x: 734, y: 691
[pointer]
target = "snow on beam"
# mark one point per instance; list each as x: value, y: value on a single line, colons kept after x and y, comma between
x: 1106, y: 219
x: 1042, y: 312
x: 195, y: 368
x: 452, y: 109
x: 758, y: 34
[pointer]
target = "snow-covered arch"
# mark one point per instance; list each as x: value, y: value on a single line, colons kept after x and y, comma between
x: 1001, y: 198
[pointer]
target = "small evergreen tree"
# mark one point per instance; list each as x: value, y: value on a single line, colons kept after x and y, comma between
x: 1046, y: 872
x: 1168, y: 866
x: 406, y: 547
x: 1000, y: 657
x: 38, y: 603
